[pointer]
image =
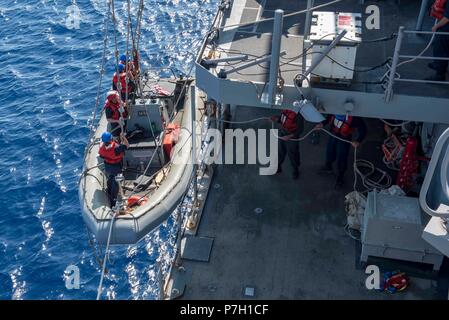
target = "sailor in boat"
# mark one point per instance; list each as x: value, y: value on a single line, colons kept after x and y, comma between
x: 112, y: 153
x: 343, y: 127
x: 292, y: 125
x: 116, y: 113
x: 129, y: 66
x: 122, y: 76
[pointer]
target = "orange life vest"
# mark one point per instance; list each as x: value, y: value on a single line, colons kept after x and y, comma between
x: 437, y: 9
x: 288, y: 121
x: 115, y: 110
x: 108, y: 153
x: 122, y: 82
x: 342, y: 128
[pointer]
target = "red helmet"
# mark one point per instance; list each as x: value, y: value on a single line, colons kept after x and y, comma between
x: 113, y: 95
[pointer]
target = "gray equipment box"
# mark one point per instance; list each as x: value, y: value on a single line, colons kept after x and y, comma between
x: 140, y: 153
x: 392, y: 228
x: 142, y: 113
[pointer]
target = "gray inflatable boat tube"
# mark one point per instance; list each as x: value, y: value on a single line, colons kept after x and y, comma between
x: 129, y: 229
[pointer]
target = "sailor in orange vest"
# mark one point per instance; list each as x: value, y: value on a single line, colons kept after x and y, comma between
x: 112, y: 154
x: 292, y: 125
x: 116, y: 114
x: 122, y: 76
x: 343, y: 127
x: 440, y: 11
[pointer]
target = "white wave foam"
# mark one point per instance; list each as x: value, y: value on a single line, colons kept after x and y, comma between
x: 18, y: 286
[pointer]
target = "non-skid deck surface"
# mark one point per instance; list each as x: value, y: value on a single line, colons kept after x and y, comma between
x: 296, y: 248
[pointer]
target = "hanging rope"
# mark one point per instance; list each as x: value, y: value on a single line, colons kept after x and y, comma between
x: 127, y: 50
x: 106, y: 256
x: 116, y: 53
x: 100, y: 83
x: 139, y: 24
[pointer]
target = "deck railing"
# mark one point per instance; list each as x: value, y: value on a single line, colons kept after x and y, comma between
x: 392, y: 73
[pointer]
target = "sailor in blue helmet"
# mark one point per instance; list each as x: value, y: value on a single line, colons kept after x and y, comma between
x: 129, y: 66
x: 342, y: 127
x: 112, y: 154
x: 123, y: 59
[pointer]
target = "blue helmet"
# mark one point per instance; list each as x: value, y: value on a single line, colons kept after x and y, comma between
x: 123, y: 57
x: 106, y: 137
x: 121, y: 67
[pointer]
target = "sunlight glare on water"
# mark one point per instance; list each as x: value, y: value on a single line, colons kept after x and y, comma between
x: 49, y: 83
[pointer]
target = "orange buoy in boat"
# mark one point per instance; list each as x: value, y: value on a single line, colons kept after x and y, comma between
x: 170, y: 138
x: 136, y: 201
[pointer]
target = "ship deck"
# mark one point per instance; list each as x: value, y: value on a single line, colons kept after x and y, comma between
x: 255, y: 40
x: 296, y: 248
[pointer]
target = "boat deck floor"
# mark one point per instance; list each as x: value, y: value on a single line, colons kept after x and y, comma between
x: 255, y: 40
x: 296, y: 248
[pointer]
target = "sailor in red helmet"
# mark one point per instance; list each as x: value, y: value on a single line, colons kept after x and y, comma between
x: 112, y: 154
x: 123, y: 75
x: 116, y: 112
x: 341, y: 126
x: 440, y: 11
x: 292, y: 125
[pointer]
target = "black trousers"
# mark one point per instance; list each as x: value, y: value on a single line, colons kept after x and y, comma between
x: 112, y: 190
x: 290, y: 148
x: 112, y: 171
x: 337, y: 151
x: 441, y: 49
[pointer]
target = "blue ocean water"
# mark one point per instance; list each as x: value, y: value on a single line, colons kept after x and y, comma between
x: 50, y: 72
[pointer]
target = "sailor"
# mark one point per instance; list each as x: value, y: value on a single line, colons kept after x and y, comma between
x: 116, y: 113
x: 129, y: 65
x: 112, y: 154
x: 440, y: 11
x: 342, y: 127
x: 123, y: 59
x: 292, y: 125
x: 122, y: 75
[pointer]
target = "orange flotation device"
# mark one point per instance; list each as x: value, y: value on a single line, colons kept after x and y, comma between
x: 136, y: 201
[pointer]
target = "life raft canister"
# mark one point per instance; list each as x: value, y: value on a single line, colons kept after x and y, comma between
x: 437, y: 9
x: 108, y: 153
x: 342, y: 127
x: 288, y: 121
x: 136, y: 201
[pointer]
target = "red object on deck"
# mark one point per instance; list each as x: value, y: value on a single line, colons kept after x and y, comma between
x: 170, y: 138
x: 136, y: 200
x: 409, y: 165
